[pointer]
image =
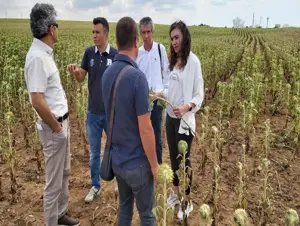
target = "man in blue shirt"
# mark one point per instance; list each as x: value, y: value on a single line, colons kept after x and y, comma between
x: 95, y: 61
x: 133, y: 143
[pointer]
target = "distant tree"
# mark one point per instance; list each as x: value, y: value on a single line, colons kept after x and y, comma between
x: 277, y: 26
x: 238, y: 22
x: 203, y: 25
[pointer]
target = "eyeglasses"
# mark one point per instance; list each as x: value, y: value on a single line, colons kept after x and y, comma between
x: 54, y: 24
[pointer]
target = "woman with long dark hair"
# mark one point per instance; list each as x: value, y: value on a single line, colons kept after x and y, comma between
x: 186, y: 94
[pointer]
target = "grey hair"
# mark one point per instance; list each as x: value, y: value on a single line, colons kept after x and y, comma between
x: 41, y: 17
x: 146, y: 21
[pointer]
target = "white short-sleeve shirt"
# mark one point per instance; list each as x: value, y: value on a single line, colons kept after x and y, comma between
x: 42, y: 76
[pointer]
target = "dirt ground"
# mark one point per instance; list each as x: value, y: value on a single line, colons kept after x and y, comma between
x: 284, y: 180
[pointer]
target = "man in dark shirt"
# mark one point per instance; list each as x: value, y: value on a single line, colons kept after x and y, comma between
x: 133, y: 143
x: 95, y: 61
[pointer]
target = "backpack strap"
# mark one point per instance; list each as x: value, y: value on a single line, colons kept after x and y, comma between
x: 161, y: 64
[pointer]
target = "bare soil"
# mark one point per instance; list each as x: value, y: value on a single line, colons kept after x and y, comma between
x: 284, y: 181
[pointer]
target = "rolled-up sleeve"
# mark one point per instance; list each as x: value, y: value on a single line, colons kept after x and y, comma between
x: 37, y: 76
x: 198, y: 87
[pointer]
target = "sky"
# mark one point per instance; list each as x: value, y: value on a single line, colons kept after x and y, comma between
x: 217, y: 13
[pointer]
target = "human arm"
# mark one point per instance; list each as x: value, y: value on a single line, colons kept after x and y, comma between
x: 197, y: 94
x: 37, y: 74
x: 144, y: 122
x: 148, y: 141
x: 41, y: 107
x: 198, y: 88
x: 80, y: 72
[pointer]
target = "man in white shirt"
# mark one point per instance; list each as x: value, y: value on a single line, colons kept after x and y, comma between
x: 48, y: 98
x: 153, y: 61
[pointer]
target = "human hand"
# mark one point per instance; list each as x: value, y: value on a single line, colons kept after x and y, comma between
x: 57, y: 128
x: 73, y: 69
x: 154, y: 95
x: 180, y: 111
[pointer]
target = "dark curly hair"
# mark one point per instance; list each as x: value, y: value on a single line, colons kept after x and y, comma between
x: 185, y: 45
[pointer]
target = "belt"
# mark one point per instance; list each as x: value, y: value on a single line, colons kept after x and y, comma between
x: 62, y: 118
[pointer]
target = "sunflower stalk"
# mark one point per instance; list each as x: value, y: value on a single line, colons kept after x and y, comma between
x: 37, y: 147
x: 288, y: 87
x: 265, y: 202
x: 205, y: 215
x: 240, y: 217
x: 241, y: 202
x: 268, y: 137
x: 164, y: 214
x: 183, y: 173
x: 11, y: 154
x: 216, y: 174
x: 203, y: 138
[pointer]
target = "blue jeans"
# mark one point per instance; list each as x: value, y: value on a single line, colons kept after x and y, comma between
x: 135, y: 184
x: 156, y: 118
x: 95, y: 123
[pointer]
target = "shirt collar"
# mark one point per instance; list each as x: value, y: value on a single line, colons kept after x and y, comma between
x: 125, y: 58
x: 43, y: 46
x: 106, y: 50
x: 154, y: 46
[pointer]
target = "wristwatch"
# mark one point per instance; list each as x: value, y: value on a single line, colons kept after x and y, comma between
x: 190, y: 107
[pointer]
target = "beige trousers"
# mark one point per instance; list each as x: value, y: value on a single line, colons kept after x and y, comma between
x: 56, y: 147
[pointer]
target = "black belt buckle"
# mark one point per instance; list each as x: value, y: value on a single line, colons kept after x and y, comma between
x: 64, y: 117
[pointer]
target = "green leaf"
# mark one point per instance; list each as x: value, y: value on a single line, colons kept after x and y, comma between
x: 162, y: 103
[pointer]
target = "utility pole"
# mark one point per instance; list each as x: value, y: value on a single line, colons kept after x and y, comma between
x: 253, y: 21
x: 267, y: 21
x: 6, y: 14
x: 260, y: 21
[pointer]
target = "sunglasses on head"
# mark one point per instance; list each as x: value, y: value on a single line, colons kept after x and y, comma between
x: 179, y: 22
x: 54, y: 24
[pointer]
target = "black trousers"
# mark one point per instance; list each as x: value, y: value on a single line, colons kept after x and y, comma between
x: 173, y: 137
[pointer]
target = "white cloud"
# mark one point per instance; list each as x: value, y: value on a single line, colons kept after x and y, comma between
x: 69, y: 4
x: 219, y: 2
x: 211, y: 12
x: 13, y: 4
x: 223, y: 2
